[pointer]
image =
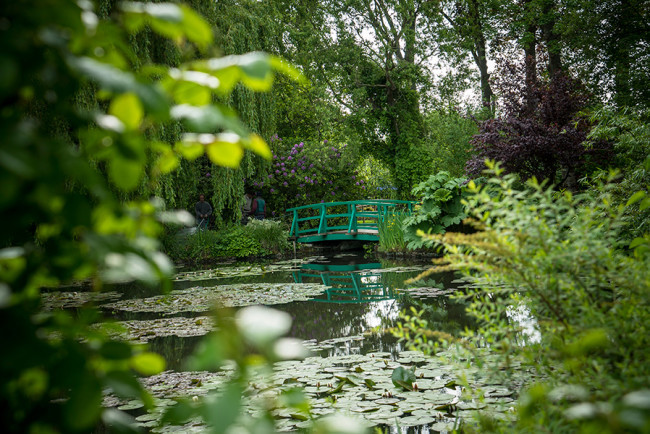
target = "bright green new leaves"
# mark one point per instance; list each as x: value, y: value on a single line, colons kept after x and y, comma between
x: 148, y: 363
x: 170, y: 20
x: 128, y: 109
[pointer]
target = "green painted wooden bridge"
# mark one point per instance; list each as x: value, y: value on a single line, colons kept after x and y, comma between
x: 343, y: 221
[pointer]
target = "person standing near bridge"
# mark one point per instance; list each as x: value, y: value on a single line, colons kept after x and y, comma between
x: 259, y: 207
x: 247, y: 207
x: 202, y: 211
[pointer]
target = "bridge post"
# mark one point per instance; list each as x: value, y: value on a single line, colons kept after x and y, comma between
x: 322, y: 225
x: 352, y: 211
x: 294, y: 224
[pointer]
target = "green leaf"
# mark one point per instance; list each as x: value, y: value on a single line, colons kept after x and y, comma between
x: 180, y: 413
x: 119, y: 422
x: 167, y: 162
x: 189, y: 150
x: 637, y: 242
x: 287, y: 69
x: 645, y: 204
x: 255, y: 70
x: 636, y: 197
x: 208, y: 119
x: 83, y: 407
x: 225, y: 150
x: 125, y: 173
x: 148, y: 363
x: 256, y: 144
x: 222, y: 412
x: 128, y: 109
x: 196, y: 28
x: 115, y: 80
x: 403, y: 377
x: 123, y: 384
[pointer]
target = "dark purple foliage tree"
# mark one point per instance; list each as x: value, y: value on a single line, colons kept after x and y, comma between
x: 541, y: 132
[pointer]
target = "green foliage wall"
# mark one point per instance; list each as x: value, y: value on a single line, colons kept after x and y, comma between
x: 238, y: 27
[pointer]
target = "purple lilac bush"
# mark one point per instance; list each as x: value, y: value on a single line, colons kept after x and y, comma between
x: 310, y: 172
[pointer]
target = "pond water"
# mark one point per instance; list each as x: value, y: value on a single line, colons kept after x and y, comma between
x: 340, y: 306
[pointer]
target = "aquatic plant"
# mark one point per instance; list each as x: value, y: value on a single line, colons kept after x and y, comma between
x: 391, y: 232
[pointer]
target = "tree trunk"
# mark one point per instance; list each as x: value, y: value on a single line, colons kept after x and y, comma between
x: 551, y: 39
x: 480, y: 56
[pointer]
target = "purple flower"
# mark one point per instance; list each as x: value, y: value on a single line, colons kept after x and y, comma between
x: 301, y: 185
x: 285, y: 183
x: 207, y: 175
x: 270, y: 176
x: 293, y: 170
x: 311, y: 166
x: 282, y: 158
x: 272, y: 190
x: 275, y: 157
x: 332, y: 193
x: 289, y: 157
x: 325, y: 141
x: 277, y: 171
x: 356, y: 183
x: 302, y: 167
x: 353, y: 177
x: 307, y: 178
x: 282, y: 164
x: 361, y: 181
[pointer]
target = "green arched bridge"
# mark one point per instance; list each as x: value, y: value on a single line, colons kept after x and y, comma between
x: 343, y: 221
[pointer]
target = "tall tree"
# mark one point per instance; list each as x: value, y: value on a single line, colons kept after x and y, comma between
x: 609, y: 43
x: 371, y: 54
x: 469, y: 22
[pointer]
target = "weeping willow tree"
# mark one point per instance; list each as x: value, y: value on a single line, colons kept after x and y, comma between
x: 238, y: 27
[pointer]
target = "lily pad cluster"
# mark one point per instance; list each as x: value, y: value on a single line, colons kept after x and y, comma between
x: 143, y: 331
x: 242, y: 270
x: 204, y: 299
x: 74, y: 299
x: 359, y: 386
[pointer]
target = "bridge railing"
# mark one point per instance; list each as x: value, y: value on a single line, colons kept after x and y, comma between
x: 350, y: 217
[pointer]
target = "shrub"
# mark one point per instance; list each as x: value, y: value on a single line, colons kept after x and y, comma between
x: 440, y: 208
x: 558, y: 257
x: 309, y: 173
x: 541, y: 135
x: 258, y: 238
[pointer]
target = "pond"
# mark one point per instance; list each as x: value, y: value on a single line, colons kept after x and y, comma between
x: 341, y: 307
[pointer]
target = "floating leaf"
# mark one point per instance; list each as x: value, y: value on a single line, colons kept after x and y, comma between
x: 404, y: 378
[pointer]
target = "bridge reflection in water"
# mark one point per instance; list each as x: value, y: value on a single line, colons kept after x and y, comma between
x: 347, y: 283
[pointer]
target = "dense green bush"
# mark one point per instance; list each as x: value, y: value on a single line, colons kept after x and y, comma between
x: 557, y: 260
x: 257, y: 238
x: 440, y: 208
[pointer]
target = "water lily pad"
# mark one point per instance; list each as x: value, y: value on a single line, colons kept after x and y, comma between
x: 55, y: 300
x: 202, y: 299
